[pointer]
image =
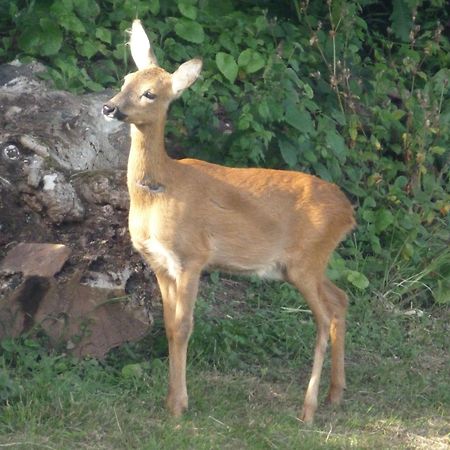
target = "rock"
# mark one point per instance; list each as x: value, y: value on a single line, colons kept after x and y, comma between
x: 44, y: 260
x: 85, y: 320
x: 106, y: 280
x: 62, y: 180
x: 33, y: 171
x: 67, y: 128
x: 103, y: 188
x: 56, y: 197
x: 86, y: 311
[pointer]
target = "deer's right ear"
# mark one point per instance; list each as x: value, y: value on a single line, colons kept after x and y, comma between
x: 141, y: 50
x: 185, y: 75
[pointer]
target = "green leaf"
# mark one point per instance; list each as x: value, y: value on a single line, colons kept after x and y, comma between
x: 154, y: 7
x: 187, y: 9
x: 103, y: 34
x: 215, y: 277
x: 61, y: 8
x: 244, y: 121
x: 8, y: 344
x: 398, y: 114
x: 132, y: 371
x: 298, y: 118
x: 292, y: 75
x: 357, y: 279
x: 401, y: 19
x: 86, y: 9
x: 337, y: 144
x: 261, y: 23
x: 322, y: 171
x: 93, y: 86
x: 219, y: 8
x: 308, y: 91
x: 190, y: 31
x: 368, y: 215
x: 227, y: 66
x: 226, y: 41
x: 29, y: 39
x: 51, y: 39
x: 276, y: 109
x: 251, y: 60
x: 289, y: 152
x: 72, y: 23
x: 264, y: 110
x: 339, y: 116
x: 67, y: 64
x: 383, y: 219
x: 442, y: 293
x: 369, y: 202
x: 437, y: 150
x: 87, y: 49
x: 407, y: 251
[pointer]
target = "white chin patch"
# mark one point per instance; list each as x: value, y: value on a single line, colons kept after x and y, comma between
x: 109, y: 118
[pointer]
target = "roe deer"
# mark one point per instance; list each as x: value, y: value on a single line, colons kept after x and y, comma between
x: 188, y: 215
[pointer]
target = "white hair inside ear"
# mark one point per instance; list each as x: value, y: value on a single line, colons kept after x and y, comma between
x: 185, y: 75
x: 141, y: 50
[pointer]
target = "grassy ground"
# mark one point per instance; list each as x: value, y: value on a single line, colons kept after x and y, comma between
x: 249, y: 365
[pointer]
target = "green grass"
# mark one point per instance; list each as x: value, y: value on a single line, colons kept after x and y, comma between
x: 249, y: 365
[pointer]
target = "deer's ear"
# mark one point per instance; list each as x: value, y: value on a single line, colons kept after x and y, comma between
x: 141, y: 50
x: 185, y: 75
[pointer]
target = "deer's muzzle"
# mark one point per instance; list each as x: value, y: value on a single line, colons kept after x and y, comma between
x: 111, y: 111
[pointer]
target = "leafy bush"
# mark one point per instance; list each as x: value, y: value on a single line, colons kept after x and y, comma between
x: 355, y: 92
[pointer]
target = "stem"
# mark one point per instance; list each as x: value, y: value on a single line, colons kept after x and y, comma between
x: 298, y: 10
x: 441, y: 99
x: 324, y: 59
x: 333, y: 37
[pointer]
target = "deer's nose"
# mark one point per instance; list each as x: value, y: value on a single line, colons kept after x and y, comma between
x: 109, y: 110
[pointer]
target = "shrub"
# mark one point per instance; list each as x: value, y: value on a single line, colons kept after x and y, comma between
x: 354, y: 92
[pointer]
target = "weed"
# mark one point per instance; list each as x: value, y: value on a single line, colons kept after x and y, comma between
x: 245, y: 389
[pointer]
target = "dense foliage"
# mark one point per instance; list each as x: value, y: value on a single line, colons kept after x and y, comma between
x: 356, y: 92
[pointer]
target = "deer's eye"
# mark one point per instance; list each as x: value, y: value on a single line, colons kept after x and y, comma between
x: 149, y: 95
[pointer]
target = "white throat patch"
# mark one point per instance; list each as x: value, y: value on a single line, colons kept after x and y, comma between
x: 163, y: 257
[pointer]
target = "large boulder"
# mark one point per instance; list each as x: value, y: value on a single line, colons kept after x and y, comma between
x: 62, y: 186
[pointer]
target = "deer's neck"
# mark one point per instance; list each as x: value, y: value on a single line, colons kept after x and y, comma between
x: 148, y: 162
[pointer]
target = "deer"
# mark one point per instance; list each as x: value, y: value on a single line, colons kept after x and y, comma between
x: 187, y: 216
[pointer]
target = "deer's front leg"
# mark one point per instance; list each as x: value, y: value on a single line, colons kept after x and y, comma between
x: 178, y: 301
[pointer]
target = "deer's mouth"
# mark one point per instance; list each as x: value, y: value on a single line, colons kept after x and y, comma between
x: 112, y: 112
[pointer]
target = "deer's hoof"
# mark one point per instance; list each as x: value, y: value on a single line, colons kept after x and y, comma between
x: 307, y: 415
x: 335, y: 395
x: 177, y: 406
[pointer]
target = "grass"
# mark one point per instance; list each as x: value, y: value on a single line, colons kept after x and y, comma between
x: 249, y: 363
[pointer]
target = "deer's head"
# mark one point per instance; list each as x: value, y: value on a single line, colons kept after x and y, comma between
x: 147, y: 93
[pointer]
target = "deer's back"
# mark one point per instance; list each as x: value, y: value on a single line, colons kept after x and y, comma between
x: 243, y: 220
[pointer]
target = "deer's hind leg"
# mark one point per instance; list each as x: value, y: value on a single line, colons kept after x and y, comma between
x: 336, y: 301
x: 309, y: 285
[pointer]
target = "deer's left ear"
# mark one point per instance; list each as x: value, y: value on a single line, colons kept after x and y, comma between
x: 185, y: 75
x: 141, y: 50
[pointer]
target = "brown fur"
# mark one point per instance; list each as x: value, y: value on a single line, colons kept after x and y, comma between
x: 273, y: 223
